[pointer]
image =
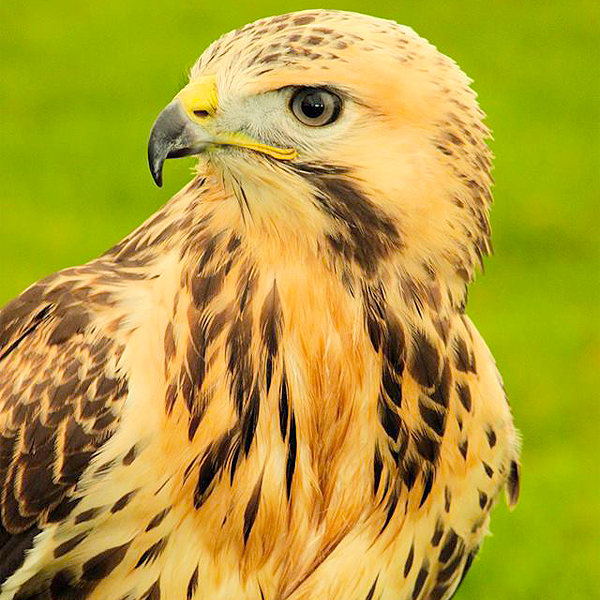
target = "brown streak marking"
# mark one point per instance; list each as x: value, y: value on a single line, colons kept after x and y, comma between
x: 153, y: 592
x: 428, y: 477
x: 158, y: 519
x: 424, y: 363
x: 372, y: 590
x: 193, y: 584
x: 153, y: 552
x: 491, y: 436
x: 434, y: 419
x: 101, y: 565
x: 130, y: 456
x: 437, y: 534
x: 514, y: 483
x: 87, y: 515
x: 446, y: 573
x: 427, y: 446
x: 252, y: 509
x: 409, y: 560
x: 123, y: 501
x: 482, y: 499
x: 449, y: 546
x: 464, y: 395
x: 420, y: 581
x: 67, y: 546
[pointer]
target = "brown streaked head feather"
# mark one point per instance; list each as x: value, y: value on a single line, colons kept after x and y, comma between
x: 405, y: 168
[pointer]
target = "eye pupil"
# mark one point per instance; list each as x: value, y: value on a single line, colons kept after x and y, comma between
x: 315, y: 107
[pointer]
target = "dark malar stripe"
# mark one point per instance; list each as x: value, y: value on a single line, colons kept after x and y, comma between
x: 367, y: 235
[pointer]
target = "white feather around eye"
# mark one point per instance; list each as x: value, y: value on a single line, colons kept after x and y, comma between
x: 267, y: 117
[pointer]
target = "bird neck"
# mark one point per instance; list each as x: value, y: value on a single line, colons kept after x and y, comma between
x: 209, y: 218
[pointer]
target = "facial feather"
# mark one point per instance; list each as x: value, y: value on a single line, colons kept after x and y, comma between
x: 413, y: 143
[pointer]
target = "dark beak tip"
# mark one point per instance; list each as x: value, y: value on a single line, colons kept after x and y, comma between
x: 156, y: 156
x: 169, y: 138
x: 156, y: 170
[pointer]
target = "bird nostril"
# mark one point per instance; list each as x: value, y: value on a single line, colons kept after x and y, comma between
x: 201, y: 113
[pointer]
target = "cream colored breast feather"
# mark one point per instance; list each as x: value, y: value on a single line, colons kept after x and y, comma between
x: 270, y: 390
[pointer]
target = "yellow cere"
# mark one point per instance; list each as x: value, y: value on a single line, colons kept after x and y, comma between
x: 200, y: 97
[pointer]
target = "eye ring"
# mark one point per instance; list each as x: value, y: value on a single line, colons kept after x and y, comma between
x: 315, y: 107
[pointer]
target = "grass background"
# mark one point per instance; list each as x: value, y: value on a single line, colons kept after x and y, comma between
x: 81, y: 84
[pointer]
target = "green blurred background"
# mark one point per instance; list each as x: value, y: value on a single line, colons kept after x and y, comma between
x: 81, y: 84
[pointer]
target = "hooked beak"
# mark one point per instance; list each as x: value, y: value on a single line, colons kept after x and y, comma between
x: 184, y: 128
x: 173, y: 135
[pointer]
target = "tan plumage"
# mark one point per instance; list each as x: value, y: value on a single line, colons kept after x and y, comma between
x: 270, y: 389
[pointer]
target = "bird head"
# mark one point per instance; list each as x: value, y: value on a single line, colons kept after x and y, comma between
x: 347, y: 128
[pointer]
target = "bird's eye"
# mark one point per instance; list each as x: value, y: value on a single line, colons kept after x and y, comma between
x: 315, y: 106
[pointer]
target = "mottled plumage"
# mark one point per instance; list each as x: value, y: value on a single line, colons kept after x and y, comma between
x: 270, y: 390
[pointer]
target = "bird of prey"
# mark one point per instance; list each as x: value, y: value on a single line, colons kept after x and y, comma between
x: 270, y: 389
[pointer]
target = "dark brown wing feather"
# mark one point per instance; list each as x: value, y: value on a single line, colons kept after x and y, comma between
x: 59, y: 402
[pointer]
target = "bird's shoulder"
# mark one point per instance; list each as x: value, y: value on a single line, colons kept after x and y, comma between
x: 60, y: 397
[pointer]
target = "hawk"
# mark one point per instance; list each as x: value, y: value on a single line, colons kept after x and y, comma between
x: 270, y: 389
